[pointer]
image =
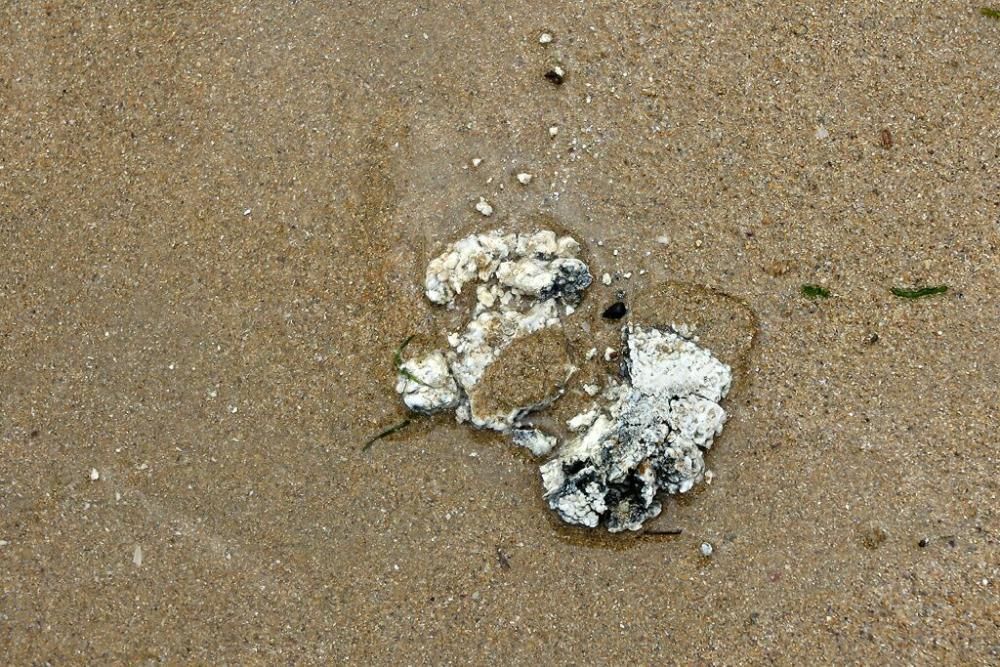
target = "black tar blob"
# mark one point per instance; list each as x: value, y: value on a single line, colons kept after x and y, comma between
x: 615, y: 311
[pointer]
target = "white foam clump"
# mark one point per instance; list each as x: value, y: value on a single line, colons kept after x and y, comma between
x: 527, y: 282
x: 650, y: 436
x: 427, y: 385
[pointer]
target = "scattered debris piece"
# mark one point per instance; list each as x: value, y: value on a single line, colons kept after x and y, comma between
x: 872, y: 338
x: 663, y: 240
x: 919, y: 292
x: 94, y: 475
x: 476, y: 161
x: 610, y: 353
x: 484, y: 207
x: 706, y: 549
x: 553, y: 130
x: 615, y: 311
x: 524, y: 178
x: 885, y: 138
x: 815, y: 292
x: 503, y: 559
x: 556, y: 75
x: 591, y: 353
x: 872, y: 536
x: 137, y: 556
x: 606, y: 279
x: 545, y: 38
x: 822, y: 133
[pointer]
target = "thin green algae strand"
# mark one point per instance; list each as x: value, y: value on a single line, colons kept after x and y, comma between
x: 919, y: 292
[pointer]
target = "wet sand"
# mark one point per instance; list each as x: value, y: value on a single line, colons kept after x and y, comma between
x: 214, y: 220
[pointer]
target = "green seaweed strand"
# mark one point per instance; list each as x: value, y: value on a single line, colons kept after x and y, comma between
x: 815, y: 292
x: 919, y: 292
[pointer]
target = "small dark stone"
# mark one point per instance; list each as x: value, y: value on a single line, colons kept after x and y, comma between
x: 556, y: 76
x: 34, y: 434
x: 615, y: 311
x: 872, y: 339
x: 923, y: 542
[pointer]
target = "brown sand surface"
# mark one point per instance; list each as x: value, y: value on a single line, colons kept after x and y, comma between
x: 214, y: 219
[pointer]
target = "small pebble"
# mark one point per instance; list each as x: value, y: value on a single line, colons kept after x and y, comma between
x: 476, y: 161
x: 663, y: 240
x: 524, y: 178
x: 610, y: 353
x: 706, y: 549
x: 822, y: 133
x: 94, y: 475
x: 556, y: 75
x: 606, y: 279
x: 137, y: 556
x: 545, y: 38
x: 484, y: 207
x: 553, y: 130
x: 615, y: 311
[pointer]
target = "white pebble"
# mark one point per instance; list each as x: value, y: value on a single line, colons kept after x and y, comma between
x: 476, y: 161
x: 554, y: 130
x: 606, y: 279
x: 663, y: 240
x: 822, y: 133
x: 627, y: 276
x: 524, y: 178
x: 545, y: 38
x: 609, y: 353
x: 94, y: 475
x: 137, y: 556
x: 484, y: 207
x: 706, y: 549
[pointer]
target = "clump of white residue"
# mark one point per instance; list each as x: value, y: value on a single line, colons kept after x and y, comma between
x: 646, y: 430
x: 527, y: 282
x: 649, y: 436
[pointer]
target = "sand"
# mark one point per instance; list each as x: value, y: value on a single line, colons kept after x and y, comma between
x: 214, y: 218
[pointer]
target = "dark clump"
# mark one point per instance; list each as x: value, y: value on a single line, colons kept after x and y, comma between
x: 815, y: 292
x: 919, y: 292
x: 556, y: 75
x: 885, y: 138
x: 615, y: 311
x: 872, y: 338
x: 923, y: 542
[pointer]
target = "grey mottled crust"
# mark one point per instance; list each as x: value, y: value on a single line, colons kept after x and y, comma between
x: 650, y: 436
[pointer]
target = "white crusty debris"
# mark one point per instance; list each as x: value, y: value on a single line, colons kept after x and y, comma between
x: 527, y: 282
x: 650, y: 436
x: 535, y: 440
x: 427, y: 385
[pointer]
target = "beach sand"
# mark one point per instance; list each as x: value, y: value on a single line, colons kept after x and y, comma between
x: 214, y: 221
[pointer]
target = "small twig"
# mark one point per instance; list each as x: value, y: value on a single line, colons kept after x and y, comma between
x: 386, y: 433
x: 663, y: 531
